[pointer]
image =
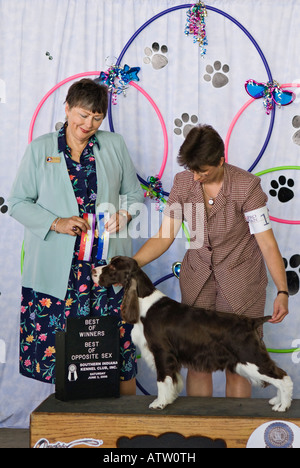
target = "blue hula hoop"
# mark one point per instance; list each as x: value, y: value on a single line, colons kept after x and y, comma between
x: 270, y: 78
x: 245, y: 31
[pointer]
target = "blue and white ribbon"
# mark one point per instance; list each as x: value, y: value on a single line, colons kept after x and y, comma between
x: 103, y: 239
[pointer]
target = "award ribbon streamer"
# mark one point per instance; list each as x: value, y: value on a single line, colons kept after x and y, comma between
x: 103, y: 239
x: 87, y: 238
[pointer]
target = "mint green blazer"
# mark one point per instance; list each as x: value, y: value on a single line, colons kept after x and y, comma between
x: 42, y: 191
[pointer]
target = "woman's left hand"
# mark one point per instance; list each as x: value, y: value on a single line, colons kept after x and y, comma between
x: 281, y: 308
x: 118, y: 221
x: 273, y: 258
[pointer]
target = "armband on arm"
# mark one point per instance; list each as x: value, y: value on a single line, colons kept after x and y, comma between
x: 259, y: 220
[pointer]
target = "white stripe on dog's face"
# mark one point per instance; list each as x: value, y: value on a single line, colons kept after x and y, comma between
x: 96, y: 273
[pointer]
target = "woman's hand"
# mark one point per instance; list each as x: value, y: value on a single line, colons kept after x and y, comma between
x: 118, y: 221
x: 281, y: 308
x: 73, y: 226
x: 274, y: 261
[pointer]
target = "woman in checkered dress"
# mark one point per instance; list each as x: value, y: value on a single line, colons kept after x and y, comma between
x: 231, y: 241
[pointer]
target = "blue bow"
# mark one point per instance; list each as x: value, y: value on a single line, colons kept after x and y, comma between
x: 271, y: 92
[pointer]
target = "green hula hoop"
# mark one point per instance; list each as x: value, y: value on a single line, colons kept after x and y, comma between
x: 283, y: 351
x: 267, y: 171
x: 275, y: 351
x: 274, y: 169
x: 270, y: 350
x: 22, y: 257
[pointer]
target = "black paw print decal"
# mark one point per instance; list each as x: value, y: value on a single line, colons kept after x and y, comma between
x: 158, y: 60
x: 185, y: 124
x: 293, y: 276
x: 3, y: 208
x: 282, y: 189
x: 296, y: 124
x: 217, y: 74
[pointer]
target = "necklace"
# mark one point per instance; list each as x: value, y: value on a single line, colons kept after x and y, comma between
x: 211, y: 200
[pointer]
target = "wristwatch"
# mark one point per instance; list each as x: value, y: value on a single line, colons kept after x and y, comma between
x: 283, y: 292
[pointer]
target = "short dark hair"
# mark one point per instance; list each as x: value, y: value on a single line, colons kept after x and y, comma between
x: 203, y: 146
x: 89, y: 95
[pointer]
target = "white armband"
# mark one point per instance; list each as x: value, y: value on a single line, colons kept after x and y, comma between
x: 259, y: 220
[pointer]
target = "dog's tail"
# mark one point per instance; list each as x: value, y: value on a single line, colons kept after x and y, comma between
x: 257, y: 322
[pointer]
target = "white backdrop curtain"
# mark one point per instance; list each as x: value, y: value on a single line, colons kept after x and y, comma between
x: 44, y: 42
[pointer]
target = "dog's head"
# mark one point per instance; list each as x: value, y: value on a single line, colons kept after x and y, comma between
x: 121, y: 270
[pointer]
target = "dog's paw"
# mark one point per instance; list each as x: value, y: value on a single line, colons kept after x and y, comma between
x: 281, y: 408
x: 275, y: 401
x: 157, y: 404
x: 278, y: 405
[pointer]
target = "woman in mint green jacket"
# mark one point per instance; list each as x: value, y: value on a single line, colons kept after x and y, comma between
x: 64, y: 181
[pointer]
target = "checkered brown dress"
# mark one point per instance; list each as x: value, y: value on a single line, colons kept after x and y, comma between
x: 228, y: 272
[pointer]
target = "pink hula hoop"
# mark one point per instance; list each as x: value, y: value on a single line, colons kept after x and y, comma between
x: 284, y: 221
x: 132, y: 83
x: 232, y: 125
x: 228, y: 136
x: 58, y: 85
x: 242, y: 110
x: 163, y: 125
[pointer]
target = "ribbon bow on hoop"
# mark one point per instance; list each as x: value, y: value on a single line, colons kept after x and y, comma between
x: 155, y: 190
x: 271, y: 92
x: 123, y: 74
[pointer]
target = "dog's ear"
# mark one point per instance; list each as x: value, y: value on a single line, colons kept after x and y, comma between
x: 130, y: 305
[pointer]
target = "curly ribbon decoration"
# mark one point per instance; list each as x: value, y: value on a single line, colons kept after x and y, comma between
x: 196, y: 25
x: 124, y: 75
x: 155, y: 191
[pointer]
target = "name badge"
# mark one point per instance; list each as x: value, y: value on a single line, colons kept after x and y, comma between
x: 53, y: 159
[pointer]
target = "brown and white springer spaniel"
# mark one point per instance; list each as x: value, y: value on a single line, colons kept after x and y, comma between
x: 171, y: 335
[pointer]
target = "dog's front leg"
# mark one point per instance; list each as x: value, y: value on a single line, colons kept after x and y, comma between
x: 168, y: 391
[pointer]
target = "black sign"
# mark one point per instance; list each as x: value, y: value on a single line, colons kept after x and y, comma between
x: 87, y: 359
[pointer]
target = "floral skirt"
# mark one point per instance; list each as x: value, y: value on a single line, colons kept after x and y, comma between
x: 43, y: 315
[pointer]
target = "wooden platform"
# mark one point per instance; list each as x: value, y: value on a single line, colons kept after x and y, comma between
x: 117, y: 422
